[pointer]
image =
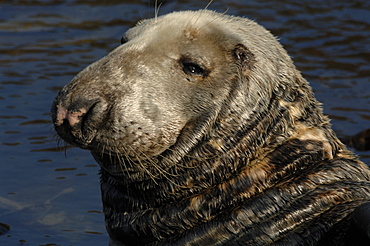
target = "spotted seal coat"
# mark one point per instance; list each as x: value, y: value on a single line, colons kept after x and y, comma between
x: 207, y: 134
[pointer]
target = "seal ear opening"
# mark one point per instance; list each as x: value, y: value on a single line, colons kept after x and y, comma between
x: 244, y: 56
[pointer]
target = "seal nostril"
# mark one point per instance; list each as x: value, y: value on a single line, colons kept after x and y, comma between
x: 93, y: 118
x: 74, y: 117
x: 78, y: 123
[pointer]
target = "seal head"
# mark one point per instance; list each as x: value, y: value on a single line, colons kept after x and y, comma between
x: 207, y: 134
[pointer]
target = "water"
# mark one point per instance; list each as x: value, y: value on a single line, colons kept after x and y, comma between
x: 50, y: 196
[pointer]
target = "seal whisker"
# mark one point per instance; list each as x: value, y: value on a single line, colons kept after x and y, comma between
x: 122, y: 155
x: 209, y: 3
x: 161, y: 170
x: 156, y: 10
x: 142, y: 165
x: 59, y: 141
x: 122, y: 162
x: 227, y: 10
x: 64, y: 147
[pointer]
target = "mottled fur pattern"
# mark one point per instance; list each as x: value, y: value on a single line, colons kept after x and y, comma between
x: 207, y: 134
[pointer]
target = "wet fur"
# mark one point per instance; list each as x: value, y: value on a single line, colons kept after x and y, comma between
x: 247, y: 156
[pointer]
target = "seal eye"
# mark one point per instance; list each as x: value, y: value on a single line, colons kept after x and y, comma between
x: 124, y: 39
x: 193, y: 69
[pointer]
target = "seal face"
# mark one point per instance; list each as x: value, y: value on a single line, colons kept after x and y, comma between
x: 207, y: 134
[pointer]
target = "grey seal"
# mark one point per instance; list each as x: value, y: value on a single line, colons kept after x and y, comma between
x: 207, y: 134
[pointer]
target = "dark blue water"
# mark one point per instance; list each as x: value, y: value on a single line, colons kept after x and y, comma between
x: 51, y: 196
